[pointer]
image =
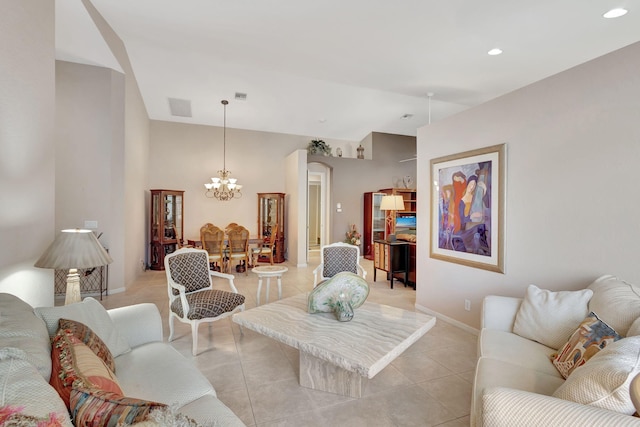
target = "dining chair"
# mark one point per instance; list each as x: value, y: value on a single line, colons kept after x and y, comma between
x: 266, y: 249
x: 192, y: 298
x: 238, y: 246
x: 335, y: 258
x: 212, y: 239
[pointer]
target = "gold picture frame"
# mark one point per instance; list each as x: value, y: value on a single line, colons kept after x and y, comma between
x: 468, y: 208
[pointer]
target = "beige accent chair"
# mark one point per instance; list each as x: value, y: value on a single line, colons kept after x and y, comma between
x: 266, y: 248
x: 192, y: 298
x: 212, y: 239
x: 238, y: 247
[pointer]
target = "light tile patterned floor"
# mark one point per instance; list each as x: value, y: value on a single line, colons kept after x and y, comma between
x: 428, y: 385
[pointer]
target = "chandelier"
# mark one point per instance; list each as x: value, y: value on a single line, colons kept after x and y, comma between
x: 222, y: 187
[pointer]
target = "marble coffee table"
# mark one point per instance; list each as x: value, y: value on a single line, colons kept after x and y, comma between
x: 338, y: 357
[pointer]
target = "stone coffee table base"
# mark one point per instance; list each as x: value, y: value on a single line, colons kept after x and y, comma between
x: 338, y: 357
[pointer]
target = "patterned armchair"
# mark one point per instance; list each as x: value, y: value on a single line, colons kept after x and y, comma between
x: 335, y: 258
x: 192, y: 298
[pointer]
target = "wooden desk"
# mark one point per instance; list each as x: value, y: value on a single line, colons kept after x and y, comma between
x: 392, y: 257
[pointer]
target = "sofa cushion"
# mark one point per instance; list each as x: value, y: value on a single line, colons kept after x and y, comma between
x: 100, y: 408
x: 25, y: 391
x: 551, y: 317
x: 180, y: 383
x: 617, y: 302
x: 91, y: 313
x: 73, y: 363
x: 604, y: 380
x: 91, y: 339
x: 498, y: 373
x: 20, y: 328
x: 591, y: 336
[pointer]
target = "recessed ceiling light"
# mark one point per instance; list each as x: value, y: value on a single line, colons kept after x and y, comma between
x: 406, y: 116
x: 615, y: 13
x: 495, y: 51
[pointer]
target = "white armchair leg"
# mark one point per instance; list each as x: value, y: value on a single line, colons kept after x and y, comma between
x: 194, y: 337
x: 170, y: 327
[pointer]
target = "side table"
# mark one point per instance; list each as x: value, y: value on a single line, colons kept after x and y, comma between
x: 269, y: 271
x: 392, y: 257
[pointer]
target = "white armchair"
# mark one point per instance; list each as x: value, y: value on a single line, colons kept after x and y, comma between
x: 335, y: 258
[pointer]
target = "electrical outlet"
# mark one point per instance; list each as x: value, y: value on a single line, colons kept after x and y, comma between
x: 467, y: 305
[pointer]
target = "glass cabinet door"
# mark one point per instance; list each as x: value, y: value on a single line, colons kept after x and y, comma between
x: 270, y: 214
x: 166, y: 225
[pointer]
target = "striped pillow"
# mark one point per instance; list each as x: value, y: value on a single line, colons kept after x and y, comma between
x: 74, y: 363
x: 100, y: 408
x: 91, y: 339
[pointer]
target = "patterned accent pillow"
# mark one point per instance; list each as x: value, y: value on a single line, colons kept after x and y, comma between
x: 100, y: 408
x: 591, y: 336
x: 604, y: 381
x: 337, y: 259
x: 183, y: 271
x: 93, y: 341
x: 75, y: 364
x: 210, y: 303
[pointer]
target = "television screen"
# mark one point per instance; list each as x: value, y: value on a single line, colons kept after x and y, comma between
x: 406, y: 221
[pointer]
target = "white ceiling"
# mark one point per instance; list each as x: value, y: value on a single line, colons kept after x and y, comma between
x: 340, y: 69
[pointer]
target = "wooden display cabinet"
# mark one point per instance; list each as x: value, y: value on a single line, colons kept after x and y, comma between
x: 166, y: 225
x: 270, y: 213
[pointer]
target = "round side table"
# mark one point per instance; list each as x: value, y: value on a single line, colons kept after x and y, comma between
x: 269, y: 271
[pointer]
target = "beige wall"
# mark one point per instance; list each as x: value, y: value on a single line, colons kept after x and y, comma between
x: 184, y: 157
x: 573, y: 146
x: 129, y: 165
x: 27, y: 166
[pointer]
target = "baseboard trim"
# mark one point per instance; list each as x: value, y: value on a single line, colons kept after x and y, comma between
x: 115, y: 291
x: 448, y: 319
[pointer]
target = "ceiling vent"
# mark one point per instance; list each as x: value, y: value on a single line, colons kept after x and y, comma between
x: 180, y: 107
x: 241, y: 96
x: 406, y: 116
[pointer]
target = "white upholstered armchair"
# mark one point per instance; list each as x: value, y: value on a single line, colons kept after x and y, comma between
x: 335, y: 258
x: 192, y: 298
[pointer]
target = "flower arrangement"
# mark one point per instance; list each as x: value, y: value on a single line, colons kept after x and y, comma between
x: 353, y: 237
x: 318, y: 146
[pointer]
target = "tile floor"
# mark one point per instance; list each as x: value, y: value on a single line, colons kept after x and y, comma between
x: 428, y: 385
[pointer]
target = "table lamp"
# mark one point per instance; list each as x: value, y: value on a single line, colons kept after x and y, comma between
x: 73, y: 249
x: 391, y: 204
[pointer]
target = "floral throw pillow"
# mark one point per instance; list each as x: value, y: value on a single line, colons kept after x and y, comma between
x: 91, y: 339
x: 591, y: 336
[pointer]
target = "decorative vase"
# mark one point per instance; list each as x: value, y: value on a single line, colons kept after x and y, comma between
x: 360, y: 151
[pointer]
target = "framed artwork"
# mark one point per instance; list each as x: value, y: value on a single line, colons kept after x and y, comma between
x: 467, y: 208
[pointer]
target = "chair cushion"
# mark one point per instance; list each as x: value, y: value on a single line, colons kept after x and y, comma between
x: 337, y: 259
x: 209, y: 303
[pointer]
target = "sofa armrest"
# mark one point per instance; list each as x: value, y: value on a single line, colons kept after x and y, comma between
x: 138, y: 324
x: 499, y: 312
x: 508, y: 407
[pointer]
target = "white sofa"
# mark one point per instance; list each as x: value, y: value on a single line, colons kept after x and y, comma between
x: 515, y: 379
x: 146, y: 367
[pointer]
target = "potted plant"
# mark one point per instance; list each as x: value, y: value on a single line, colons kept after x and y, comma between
x: 319, y: 147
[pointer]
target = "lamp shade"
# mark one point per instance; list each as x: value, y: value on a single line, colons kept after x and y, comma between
x: 74, y: 248
x: 392, y: 203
